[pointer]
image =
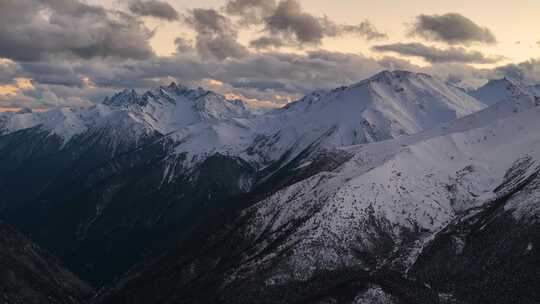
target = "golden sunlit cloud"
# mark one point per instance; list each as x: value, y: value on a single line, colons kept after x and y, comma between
x: 215, y: 83
x: 252, y: 102
x: 13, y: 89
x: 88, y: 82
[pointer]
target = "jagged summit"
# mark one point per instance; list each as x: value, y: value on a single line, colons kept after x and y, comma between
x: 123, y: 98
x: 208, y: 105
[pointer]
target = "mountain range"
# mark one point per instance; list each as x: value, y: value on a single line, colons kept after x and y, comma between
x: 401, y: 188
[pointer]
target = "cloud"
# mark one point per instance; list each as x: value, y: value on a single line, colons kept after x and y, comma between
x: 210, y: 21
x: 52, y: 73
x: 251, y: 12
x: 216, y: 35
x: 365, y: 29
x: 286, y: 24
x: 272, y: 76
x: 527, y: 71
x: 73, y: 53
x: 48, y: 96
x: 8, y: 71
x: 32, y: 30
x: 437, y: 55
x: 183, y: 45
x: 289, y: 19
x: 451, y: 28
x: 154, y: 8
x: 266, y: 42
x: 220, y: 47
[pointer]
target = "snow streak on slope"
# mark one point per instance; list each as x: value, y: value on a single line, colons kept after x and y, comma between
x: 393, y: 195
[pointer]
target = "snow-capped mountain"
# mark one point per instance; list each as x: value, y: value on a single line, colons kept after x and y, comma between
x: 360, y: 228
x: 352, y: 183
x: 497, y: 90
x: 388, y: 105
x: 171, y: 108
x: 203, y: 123
x: 385, y: 106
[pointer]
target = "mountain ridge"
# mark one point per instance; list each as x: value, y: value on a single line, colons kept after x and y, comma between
x: 146, y: 171
x: 373, y: 216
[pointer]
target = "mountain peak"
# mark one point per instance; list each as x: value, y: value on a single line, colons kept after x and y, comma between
x: 392, y: 75
x: 177, y: 89
x: 25, y: 110
x: 497, y: 90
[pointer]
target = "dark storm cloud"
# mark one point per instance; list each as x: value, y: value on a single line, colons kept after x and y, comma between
x: 32, y: 30
x: 153, y: 8
x: 216, y: 35
x: 53, y: 73
x: 451, y: 28
x: 436, y: 55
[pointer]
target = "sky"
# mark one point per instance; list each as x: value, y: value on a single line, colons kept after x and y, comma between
x: 75, y: 52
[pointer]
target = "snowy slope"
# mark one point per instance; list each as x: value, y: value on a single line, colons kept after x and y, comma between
x: 387, y: 105
x: 392, y: 190
x: 121, y: 127
x: 364, y: 222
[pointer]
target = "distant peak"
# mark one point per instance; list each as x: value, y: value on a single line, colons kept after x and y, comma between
x: 510, y: 83
x: 127, y: 96
x: 24, y: 111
